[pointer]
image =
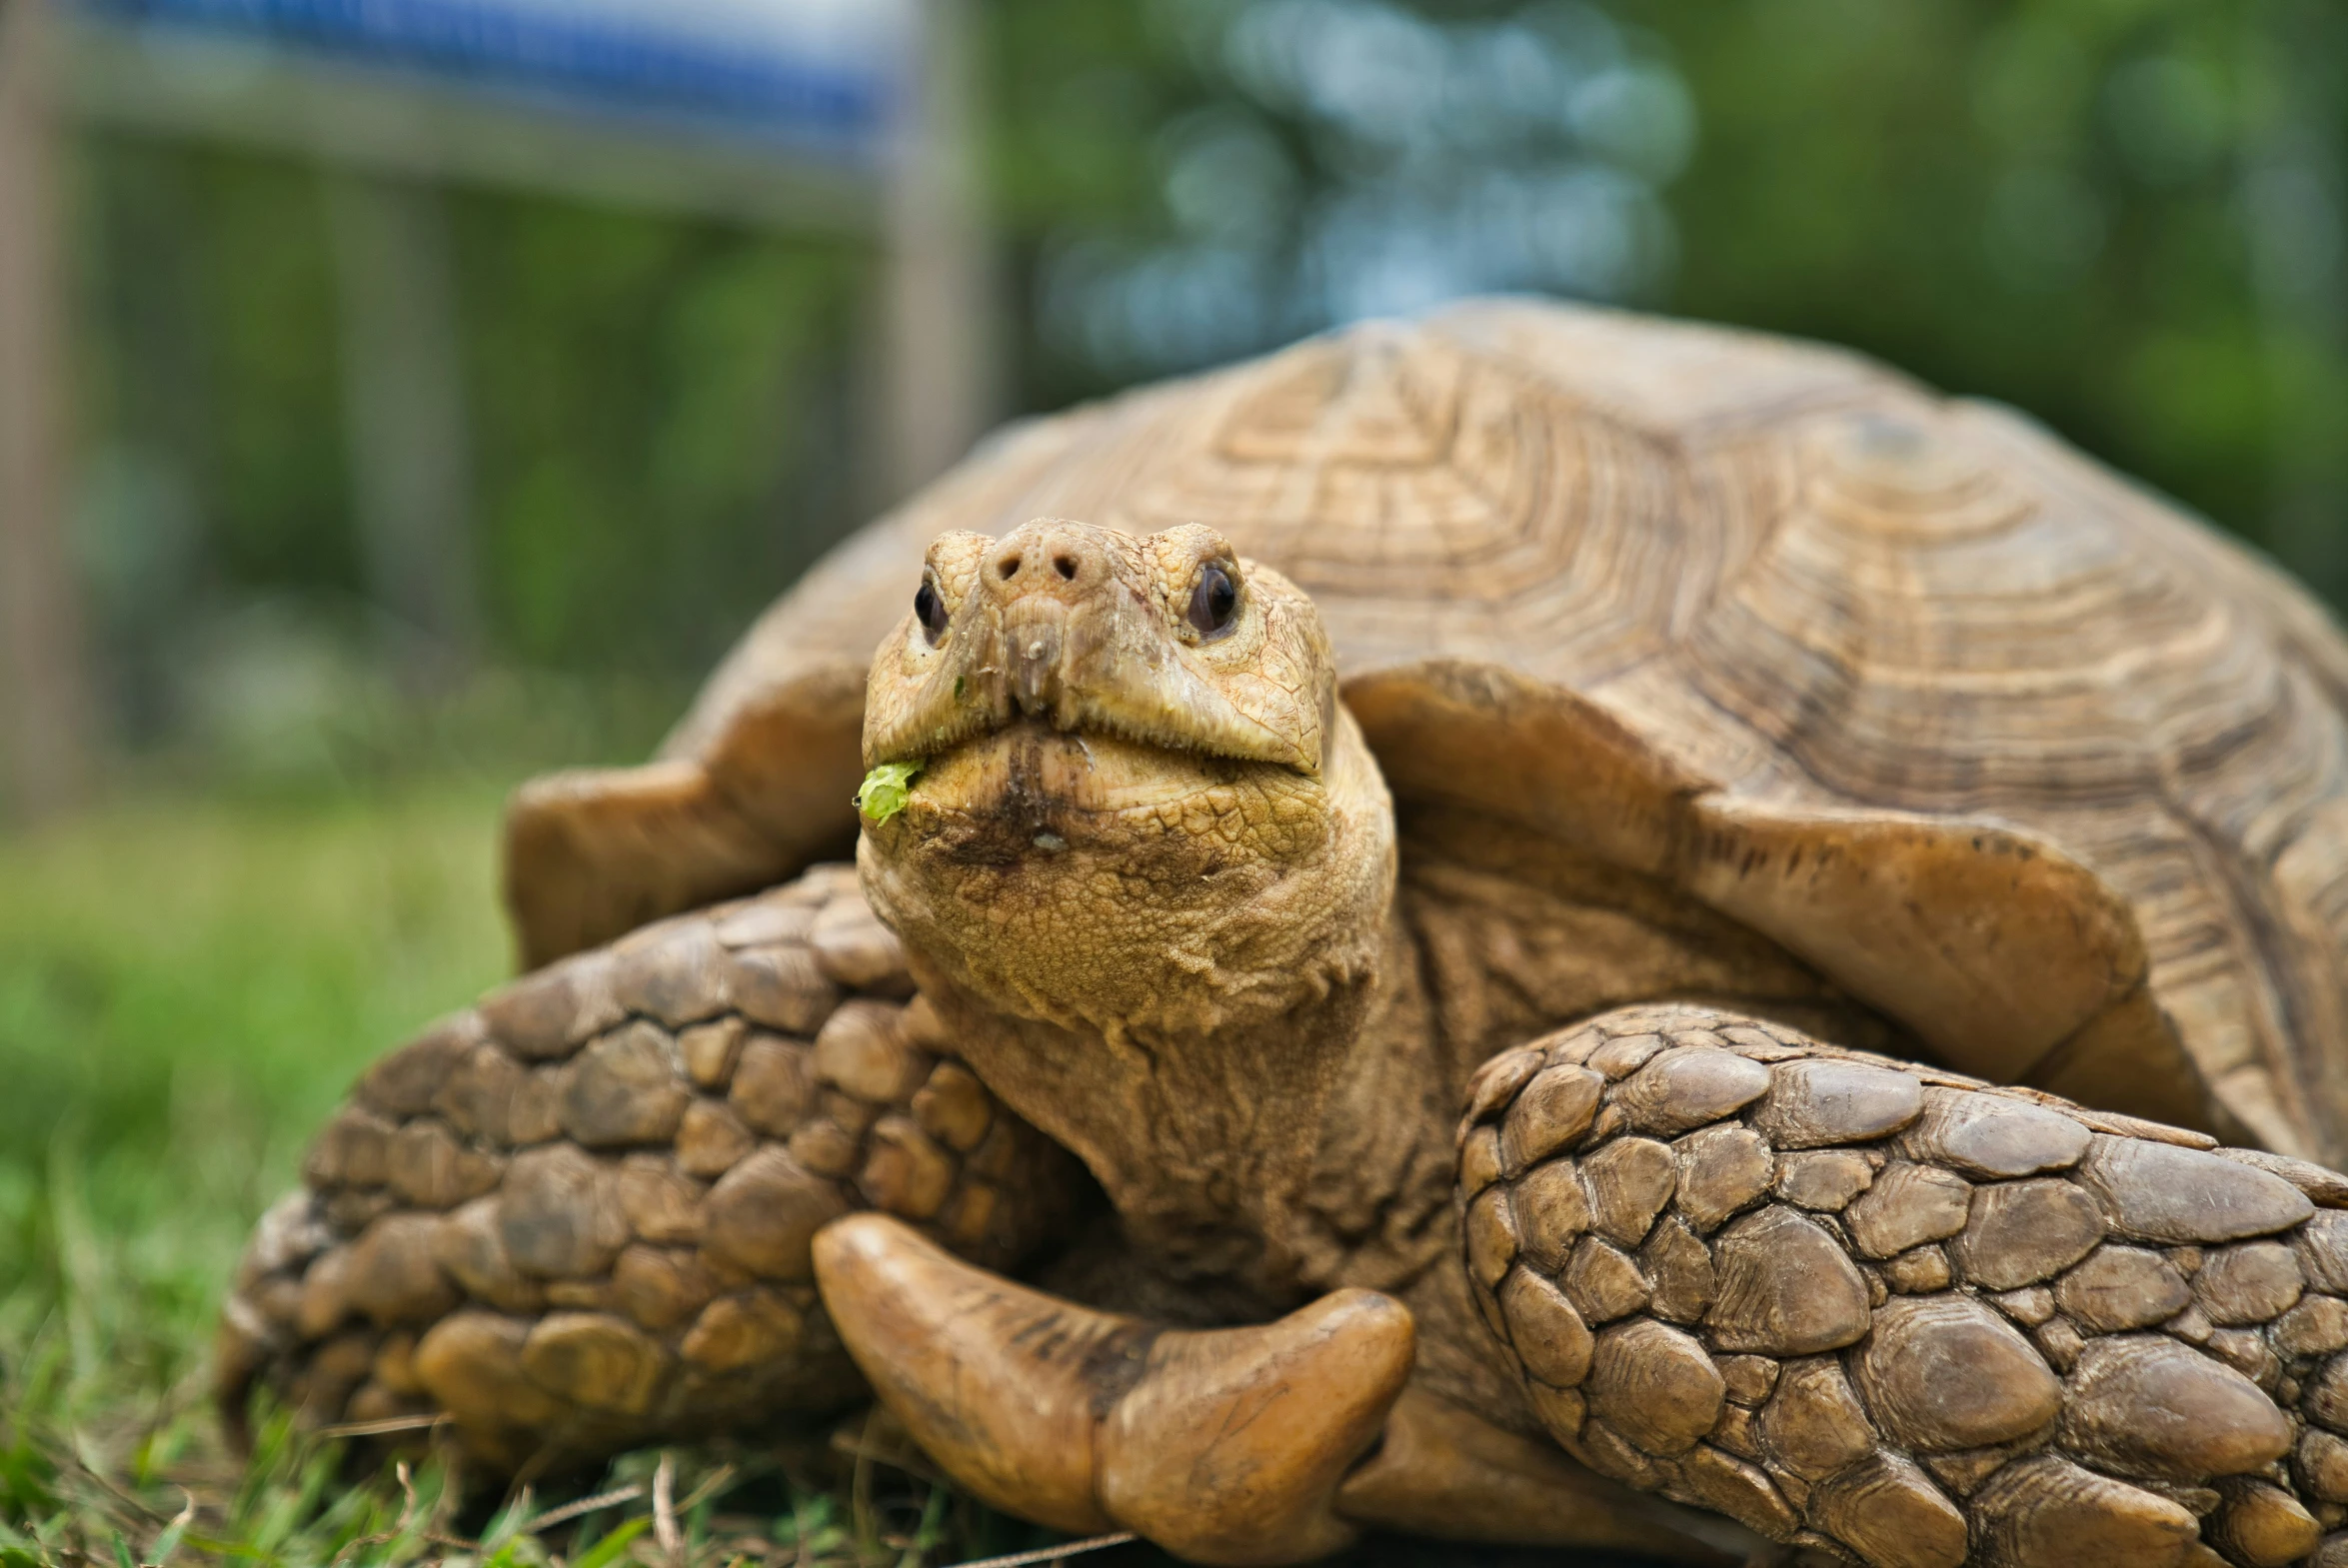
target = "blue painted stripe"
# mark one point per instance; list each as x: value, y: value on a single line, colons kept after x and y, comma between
x: 598, y: 63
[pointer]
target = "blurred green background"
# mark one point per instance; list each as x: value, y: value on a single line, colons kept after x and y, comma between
x: 2127, y: 217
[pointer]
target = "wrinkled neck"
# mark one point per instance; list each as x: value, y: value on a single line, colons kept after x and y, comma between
x: 1377, y: 1208
x: 1206, y: 1144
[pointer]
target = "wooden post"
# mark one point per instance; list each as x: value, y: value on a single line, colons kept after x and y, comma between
x: 45, y: 692
x: 2294, y: 202
x: 939, y: 387
x: 404, y: 419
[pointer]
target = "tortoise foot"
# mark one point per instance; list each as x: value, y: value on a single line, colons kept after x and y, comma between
x: 1224, y: 1446
x: 1895, y: 1313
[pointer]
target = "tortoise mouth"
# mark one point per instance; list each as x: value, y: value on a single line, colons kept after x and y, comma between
x: 1098, y: 730
x: 1031, y: 767
x: 1110, y: 726
x: 1030, y: 791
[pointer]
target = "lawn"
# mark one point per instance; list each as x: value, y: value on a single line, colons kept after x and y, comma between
x: 184, y: 990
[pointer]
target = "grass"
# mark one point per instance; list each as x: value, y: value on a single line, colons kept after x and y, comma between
x: 186, y: 989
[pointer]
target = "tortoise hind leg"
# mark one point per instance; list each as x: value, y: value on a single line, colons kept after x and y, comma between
x: 576, y: 1217
x: 1872, y: 1307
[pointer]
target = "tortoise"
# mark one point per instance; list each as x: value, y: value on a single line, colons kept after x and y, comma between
x: 1529, y: 924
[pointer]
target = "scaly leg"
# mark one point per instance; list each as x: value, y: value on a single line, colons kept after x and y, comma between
x: 1225, y: 1446
x: 1906, y: 1317
x: 576, y: 1217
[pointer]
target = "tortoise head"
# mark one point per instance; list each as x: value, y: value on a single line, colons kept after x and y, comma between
x: 1140, y: 807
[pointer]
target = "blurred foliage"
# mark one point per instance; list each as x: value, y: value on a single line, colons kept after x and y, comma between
x: 1189, y: 182
x: 656, y: 412
x: 2125, y: 216
x: 660, y: 410
x: 2128, y: 217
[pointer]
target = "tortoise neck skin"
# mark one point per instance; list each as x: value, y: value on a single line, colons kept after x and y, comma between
x: 1147, y: 869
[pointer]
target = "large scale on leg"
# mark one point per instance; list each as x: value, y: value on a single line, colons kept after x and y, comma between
x: 1862, y: 1304
x: 1415, y: 695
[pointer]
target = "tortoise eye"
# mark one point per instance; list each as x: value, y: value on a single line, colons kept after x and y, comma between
x: 930, y: 610
x: 1214, y: 600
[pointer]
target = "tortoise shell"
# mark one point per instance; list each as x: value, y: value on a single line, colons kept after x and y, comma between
x: 2008, y: 748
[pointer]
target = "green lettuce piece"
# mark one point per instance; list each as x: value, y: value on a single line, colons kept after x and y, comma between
x: 886, y: 790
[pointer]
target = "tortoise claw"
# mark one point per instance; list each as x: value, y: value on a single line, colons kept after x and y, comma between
x: 1226, y: 1446
x: 1232, y: 1446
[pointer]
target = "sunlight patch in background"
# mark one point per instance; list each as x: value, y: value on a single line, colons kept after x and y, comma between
x: 1529, y: 152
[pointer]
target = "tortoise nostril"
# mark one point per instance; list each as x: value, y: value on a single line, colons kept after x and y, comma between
x: 1008, y: 565
x: 1066, y: 566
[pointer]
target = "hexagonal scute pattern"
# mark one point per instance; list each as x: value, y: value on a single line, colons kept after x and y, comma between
x: 1905, y: 1317
x: 576, y: 1217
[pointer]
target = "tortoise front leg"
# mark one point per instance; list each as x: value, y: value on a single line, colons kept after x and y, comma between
x: 1906, y: 1316
x: 1225, y: 1446
x: 576, y: 1217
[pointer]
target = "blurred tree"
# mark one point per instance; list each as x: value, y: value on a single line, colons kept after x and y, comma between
x: 662, y: 424
x: 659, y: 416
x: 2127, y: 219
x: 2125, y: 216
x: 1198, y: 179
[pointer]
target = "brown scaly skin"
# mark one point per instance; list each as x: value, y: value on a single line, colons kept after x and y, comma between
x: 1146, y: 888
x: 576, y: 1217
x: 1897, y: 1313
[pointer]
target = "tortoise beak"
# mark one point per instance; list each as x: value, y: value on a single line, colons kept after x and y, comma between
x: 1226, y: 1446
